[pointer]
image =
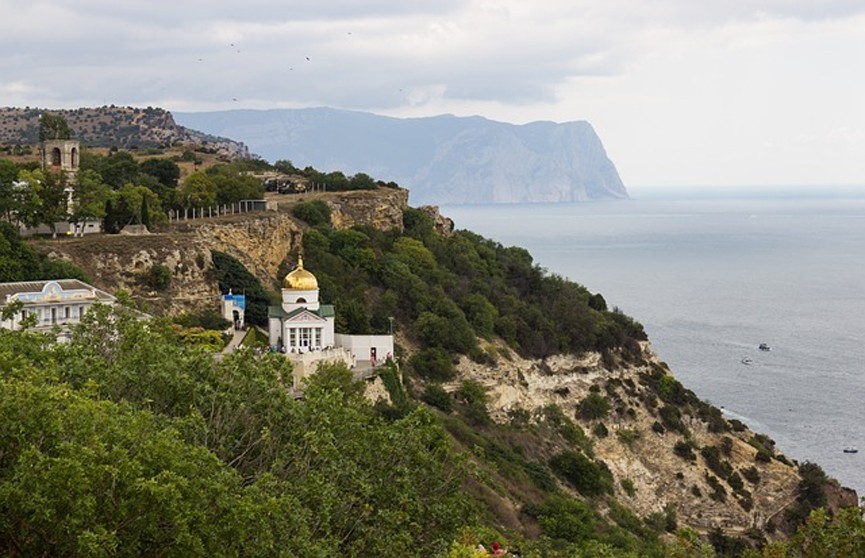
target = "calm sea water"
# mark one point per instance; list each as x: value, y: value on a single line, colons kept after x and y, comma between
x: 711, y: 274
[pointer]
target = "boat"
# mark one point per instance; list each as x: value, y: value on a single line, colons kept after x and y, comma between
x: 764, y: 347
x: 747, y: 360
x: 850, y: 449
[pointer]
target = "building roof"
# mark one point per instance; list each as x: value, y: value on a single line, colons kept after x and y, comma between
x: 300, y: 279
x: 52, y: 290
x: 324, y: 311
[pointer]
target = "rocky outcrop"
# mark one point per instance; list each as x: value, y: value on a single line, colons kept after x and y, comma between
x: 358, y: 208
x: 634, y: 449
x: 442, y: 225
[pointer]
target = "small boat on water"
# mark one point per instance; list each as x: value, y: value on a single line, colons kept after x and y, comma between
x: 850, y: 449
x: 764, y: 347
x: 747, y: 360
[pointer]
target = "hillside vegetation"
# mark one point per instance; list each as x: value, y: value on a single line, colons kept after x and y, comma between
x: 520, y: 409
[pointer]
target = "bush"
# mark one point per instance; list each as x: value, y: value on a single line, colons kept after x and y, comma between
x: 433, y: 364
x: 685, y: 450
x: 751, y: 474
x: 593, y: 406
x: 314, y: 213
x: 590, y: 478
x: 158, y: 277
x: 436, y: 396
x: 628, y: 487
x: 600, y: 430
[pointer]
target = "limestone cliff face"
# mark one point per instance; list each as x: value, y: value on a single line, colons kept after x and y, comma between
x: 647, y: 458
x: 381, y: 211
x: 261, y: 241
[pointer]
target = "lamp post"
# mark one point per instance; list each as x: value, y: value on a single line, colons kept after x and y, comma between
x: 390, y: 320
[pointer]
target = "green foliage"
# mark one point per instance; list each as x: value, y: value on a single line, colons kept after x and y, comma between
x: 717, y: 464
x: 139, y: 445
x: 157, y: 277
x: 566, y: 519
x: 19, y: 262
x: 810, y: 494
x: 315, y: 213
x: 823, y: 535
x: 434, y: 364
x: 628, y: 487
x: 593, y: 406
x: 590, y: 478
x: 206, y: 319
x: 474, y: 398
x: 685, y: 450
x: 232, y: 275
x: 436, y: 396
x: 53, y: 127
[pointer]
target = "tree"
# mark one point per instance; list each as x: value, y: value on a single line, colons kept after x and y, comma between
x: 27, y: 197
x: 89, y: 198
x: 165, y: 171
x: 53, y: 127
x: 8, y: 178
x: 54, y: 200
x: 198, y: 190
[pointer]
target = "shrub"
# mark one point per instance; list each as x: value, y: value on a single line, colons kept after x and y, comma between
x: 433, y: 364
x: 685, y: 450
x: 158, y: 277
x: 589, y: 477
x: 314, y: 213
x: 751, y: 474
x: 566, y: 519
x: 600, y: 430
x: 628, y: 436
x: 628, y: 487
x: 712, y: 456
x: 436, y: 396
x: 593, y: 406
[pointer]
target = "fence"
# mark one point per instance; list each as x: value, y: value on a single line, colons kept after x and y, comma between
x: 243, y: 206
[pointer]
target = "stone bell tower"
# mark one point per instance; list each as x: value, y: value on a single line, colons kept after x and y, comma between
x: 61, y: 155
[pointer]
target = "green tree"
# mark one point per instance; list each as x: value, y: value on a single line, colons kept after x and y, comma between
x: 89, y: 197
x: 165, y: 171
x: 198, y: 190
x: 53, y: 127
x: 27, y: 197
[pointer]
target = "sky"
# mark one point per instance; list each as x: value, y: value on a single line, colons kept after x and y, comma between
x: 681, y: 92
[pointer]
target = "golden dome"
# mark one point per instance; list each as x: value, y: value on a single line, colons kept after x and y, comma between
x: 300, y: 279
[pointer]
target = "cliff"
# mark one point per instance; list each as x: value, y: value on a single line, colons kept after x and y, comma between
x: 443, y: 159
x: 262, y: 241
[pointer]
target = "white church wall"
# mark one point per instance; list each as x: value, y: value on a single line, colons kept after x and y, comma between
x: 365, y: 347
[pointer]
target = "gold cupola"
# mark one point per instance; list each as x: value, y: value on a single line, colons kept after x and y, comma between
x: 300, y: 279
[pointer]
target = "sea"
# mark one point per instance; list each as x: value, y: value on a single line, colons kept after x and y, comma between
x: 712, y: 273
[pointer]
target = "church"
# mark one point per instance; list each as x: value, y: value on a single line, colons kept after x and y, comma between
x: 303, y: 328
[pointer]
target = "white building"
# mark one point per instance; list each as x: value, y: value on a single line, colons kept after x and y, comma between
x: 303, y: 329
x: 61, y: 302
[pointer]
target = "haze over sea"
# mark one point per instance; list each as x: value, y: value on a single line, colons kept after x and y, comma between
x: 711, y: 274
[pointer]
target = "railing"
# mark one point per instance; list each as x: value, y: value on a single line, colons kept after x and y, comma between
x: 243, y: 206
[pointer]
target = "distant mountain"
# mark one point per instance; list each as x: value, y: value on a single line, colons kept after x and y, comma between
x: 442, y: 159
x: 113, y: 126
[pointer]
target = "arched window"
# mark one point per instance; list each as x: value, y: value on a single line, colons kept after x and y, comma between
x: 55, y: 157
x: 74, y: 158
x: 300, y: 300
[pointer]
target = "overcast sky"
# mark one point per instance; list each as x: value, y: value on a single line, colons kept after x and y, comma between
x: 681, y: 92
